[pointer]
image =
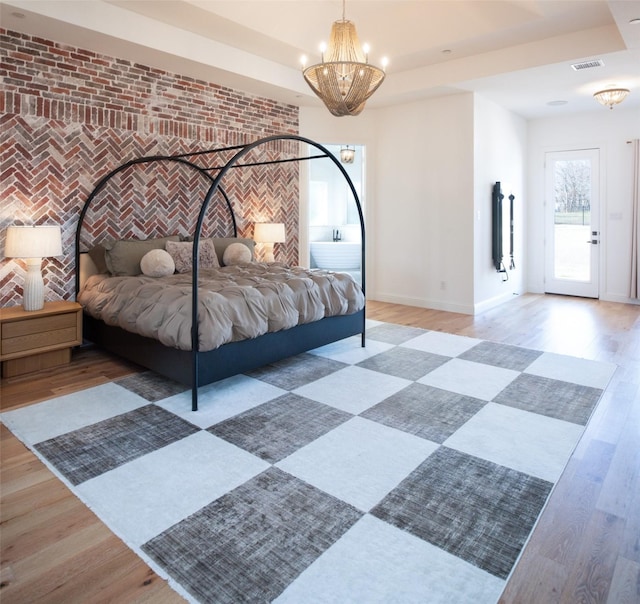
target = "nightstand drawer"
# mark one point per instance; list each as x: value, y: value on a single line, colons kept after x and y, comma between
x: 38, y: 339
x: 27, y: 327
x: 39, y: 332
x: 34, y: 341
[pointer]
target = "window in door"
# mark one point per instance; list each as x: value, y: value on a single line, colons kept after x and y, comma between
x: 572, y: 234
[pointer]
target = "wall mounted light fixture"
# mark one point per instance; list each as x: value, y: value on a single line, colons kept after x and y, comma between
x: 33, y: 243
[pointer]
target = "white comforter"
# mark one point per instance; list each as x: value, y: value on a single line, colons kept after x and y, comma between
x: 234, y: 302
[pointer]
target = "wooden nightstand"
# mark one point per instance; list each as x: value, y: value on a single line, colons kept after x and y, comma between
x: 38, y: 339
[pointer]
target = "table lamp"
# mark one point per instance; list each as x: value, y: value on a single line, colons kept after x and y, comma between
x: 33, y: 243
x: 268, y: 233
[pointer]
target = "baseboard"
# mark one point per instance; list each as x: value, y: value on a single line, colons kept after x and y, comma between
x: 421, y: 303
x: 619, y: 298
x: 485, y: 305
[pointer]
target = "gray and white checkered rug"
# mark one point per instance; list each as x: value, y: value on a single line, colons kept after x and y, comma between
x: 411, y: 470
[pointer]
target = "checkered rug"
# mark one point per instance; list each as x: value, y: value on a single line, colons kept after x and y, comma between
x: 411, y: 470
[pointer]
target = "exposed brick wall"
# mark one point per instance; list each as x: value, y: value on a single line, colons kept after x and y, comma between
x: 69, y: 116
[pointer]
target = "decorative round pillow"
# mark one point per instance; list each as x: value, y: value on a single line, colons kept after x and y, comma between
x: 236, y: 253
x: 157, y: 263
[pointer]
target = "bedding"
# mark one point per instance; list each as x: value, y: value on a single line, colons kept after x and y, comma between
x: 235, y: 302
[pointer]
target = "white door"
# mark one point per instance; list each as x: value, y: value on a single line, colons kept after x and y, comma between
x: 572, y: 231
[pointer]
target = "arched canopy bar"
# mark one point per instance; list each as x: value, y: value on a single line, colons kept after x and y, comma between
x: 233, y: 163
x: 102, y: 183
x: 221, y: 170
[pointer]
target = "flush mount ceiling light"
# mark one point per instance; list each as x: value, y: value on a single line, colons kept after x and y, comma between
x: 611, y: 96
x: 344, y: 79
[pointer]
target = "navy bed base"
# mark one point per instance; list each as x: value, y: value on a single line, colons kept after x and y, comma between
x: 227, y: 360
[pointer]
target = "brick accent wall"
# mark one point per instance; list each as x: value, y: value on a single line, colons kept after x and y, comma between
x: 69, y: 116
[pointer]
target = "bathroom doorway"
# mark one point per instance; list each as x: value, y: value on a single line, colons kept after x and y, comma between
x: 334, y: 224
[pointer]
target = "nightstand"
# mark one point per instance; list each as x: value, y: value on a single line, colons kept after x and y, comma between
x: 38, y: 339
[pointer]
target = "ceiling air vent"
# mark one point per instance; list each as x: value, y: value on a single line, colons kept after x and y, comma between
x: 588, y: 64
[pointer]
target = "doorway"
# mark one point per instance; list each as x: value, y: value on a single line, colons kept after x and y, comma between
x: 572, y: 231
x: 335, y: 241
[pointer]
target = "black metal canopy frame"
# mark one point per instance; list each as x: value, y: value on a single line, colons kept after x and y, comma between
x: 214, y: 174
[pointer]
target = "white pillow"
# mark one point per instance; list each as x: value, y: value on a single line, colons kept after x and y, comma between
x: 157, y: 263
x: 236, y: 253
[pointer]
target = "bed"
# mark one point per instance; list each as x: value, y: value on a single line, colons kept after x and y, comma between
x: 219, y: 312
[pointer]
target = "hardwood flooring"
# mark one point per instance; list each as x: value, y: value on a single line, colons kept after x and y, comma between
x: 52, y: 547
x: 585, y: 548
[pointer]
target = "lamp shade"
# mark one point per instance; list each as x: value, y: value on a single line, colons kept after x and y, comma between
x: 269, y: 232
x: 33, y: 242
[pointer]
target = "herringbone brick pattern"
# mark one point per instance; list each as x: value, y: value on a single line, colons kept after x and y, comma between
x: 60, y: 137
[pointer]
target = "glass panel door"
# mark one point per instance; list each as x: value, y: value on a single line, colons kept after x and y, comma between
x: 572, y: 235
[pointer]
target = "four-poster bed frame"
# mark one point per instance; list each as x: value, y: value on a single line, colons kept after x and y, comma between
x: 194, y: 367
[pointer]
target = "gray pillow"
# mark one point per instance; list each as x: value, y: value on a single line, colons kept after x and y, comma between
x: 123, y: 256
x: 97, y: 254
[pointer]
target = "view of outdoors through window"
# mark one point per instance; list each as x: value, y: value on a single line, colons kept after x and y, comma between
x: 572, y: 220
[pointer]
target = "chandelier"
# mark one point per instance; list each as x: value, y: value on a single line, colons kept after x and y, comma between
x: 347, y: 155
x: 344, y: 79
x: 611, y: 96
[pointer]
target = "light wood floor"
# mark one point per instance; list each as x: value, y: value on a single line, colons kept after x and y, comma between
x: 585, y: 548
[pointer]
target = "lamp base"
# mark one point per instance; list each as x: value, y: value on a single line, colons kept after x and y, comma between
x: 33, y: 286
x: 268, y: 252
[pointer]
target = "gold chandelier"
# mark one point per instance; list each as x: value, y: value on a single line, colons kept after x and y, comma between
x: 344, y: 79
x: 611, y: 96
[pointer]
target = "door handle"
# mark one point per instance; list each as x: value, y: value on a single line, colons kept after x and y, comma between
x: 593, y: 242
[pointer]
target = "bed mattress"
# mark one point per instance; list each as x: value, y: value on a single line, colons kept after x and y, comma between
x: 234, y: 302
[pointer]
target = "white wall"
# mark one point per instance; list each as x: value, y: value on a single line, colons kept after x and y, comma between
x: 500, y: 155
x: 419, y: 198
x: 608, y: 130
x: 424, y: 204
x: 430, y: 168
